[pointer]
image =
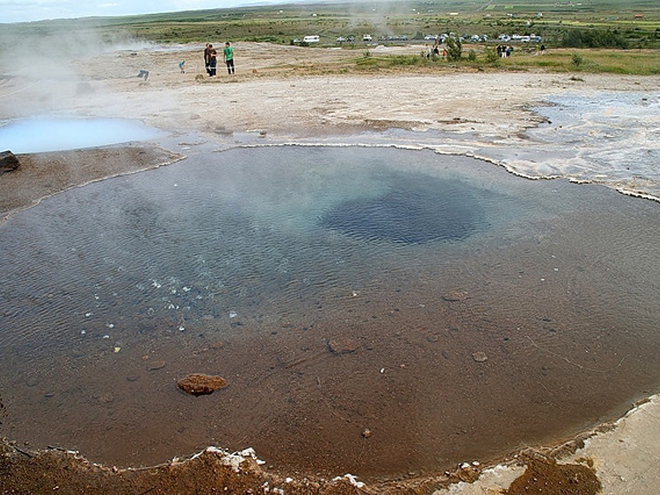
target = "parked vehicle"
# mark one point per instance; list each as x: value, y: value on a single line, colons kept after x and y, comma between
x: 366, y: 37
x: 311, y: 39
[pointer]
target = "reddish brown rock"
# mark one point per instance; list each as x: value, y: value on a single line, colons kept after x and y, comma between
x: 342, y: 345
x: 201, y: 384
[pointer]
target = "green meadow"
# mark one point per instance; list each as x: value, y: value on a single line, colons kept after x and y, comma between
x: 592, y: 35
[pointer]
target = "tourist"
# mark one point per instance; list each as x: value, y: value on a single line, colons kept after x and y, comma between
x: 207, y: 58
x: 181, y: 68
x: 213, y: 61
x: 228, y: 54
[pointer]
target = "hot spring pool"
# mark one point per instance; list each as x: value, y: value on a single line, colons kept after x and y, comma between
x: 38, y: 135
x: 456, y: 311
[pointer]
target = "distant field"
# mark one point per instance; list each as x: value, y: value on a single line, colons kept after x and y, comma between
x: 603, y: 24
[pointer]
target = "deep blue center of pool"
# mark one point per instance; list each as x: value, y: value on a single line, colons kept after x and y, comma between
x: 414, y: 209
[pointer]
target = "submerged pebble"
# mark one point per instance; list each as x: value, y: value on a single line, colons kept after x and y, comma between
x: 479, y: 357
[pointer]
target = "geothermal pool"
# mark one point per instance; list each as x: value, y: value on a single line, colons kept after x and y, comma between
x: 41, y: 134
x: 454, y: 310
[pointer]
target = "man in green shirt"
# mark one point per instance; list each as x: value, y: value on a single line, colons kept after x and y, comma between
x: 228, y: 53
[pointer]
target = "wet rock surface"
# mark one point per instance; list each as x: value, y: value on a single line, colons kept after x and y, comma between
x: 8, y: 162
x: 200, y: 384
x: 455, y: 296
x: 342, y: 345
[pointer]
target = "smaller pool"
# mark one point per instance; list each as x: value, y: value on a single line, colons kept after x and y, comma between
x: 56, y: 134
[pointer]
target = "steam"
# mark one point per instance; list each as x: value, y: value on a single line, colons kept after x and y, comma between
x: 50, y: 85
x: 42, y: 70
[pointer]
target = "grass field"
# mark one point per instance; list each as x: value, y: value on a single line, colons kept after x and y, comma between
x: 605, y: 24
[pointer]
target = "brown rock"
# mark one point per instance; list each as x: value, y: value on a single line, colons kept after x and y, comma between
x: 156, y: 365
x: 201, y: 384
x: 8, y: 162
x: 342, y: 345
x: 455, y: 295
x: 480, y: 357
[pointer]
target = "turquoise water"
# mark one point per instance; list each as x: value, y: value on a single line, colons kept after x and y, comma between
x: 55, y: 134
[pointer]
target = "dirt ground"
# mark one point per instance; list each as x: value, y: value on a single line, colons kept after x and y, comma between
x: 294, y: 94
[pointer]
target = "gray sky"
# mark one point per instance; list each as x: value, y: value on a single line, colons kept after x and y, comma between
x: 35, y: 10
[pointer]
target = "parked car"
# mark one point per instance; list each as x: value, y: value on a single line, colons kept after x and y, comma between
x: 366, y: 37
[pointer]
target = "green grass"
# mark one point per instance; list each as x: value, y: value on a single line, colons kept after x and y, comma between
x: 628, y: 62
x: 283, y: 23
x: 631, y: 62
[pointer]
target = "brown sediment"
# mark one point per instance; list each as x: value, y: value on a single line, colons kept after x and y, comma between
x: 549, y: 477
x: 213, y: 470
x: 44, y: 174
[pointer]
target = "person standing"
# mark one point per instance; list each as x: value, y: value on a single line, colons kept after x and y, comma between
x: 213, y: 60
x: 207, y: 58
x: 228, y: 54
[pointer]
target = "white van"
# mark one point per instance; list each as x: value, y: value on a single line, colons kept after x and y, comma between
x: 366, y: 37
x: 311, y: 39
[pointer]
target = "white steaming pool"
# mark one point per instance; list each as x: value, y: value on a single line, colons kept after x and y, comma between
x: 43, y: 134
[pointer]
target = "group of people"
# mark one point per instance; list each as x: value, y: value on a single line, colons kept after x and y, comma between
x: 211, y: 58
x: 504, y: 51
x: 435, y: 51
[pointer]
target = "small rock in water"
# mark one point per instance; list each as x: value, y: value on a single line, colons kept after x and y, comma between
x: 107, y: 398
x: 218, y: 344
x: 455, y: 295
x: 342, y: 345
x: 480, y: 357
x: 201, y: 384
x: 156, y: 365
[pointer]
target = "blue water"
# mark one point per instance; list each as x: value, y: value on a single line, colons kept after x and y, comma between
x: 55, y: 134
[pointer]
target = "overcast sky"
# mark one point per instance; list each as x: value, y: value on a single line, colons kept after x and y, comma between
x: 36, y: 10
